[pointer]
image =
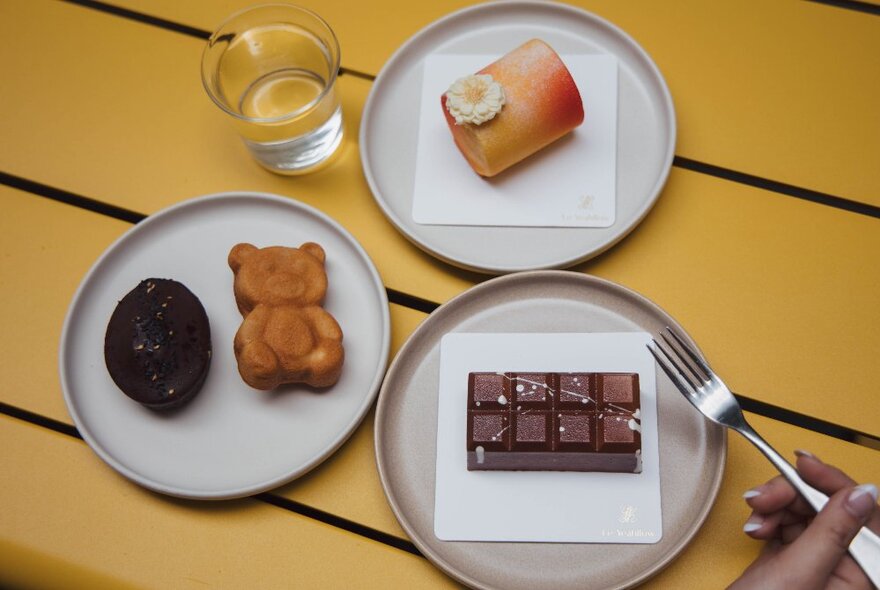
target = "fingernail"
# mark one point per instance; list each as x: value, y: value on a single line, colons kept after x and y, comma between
x: 861, y: 500
x: 754, y: 522
x: 753, y: 493
x: 803, y: 453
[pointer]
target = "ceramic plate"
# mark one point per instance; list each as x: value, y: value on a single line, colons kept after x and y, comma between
x: 230, y: 440
x: 692, y: 449
x: 646, y: 133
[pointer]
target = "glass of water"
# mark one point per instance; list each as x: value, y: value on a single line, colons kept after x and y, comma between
x: 273, y: 69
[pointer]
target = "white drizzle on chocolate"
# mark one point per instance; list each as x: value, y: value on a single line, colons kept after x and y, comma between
x: 520, y: 388
x: 618, y: 408
x: 481, y: 454
x: 535, y: 384
x: 500, y: 432
x: 584, y: 398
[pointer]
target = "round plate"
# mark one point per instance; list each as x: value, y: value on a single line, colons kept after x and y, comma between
x: 646, y: 134
x: 692, y: 449
x: 230, y: 440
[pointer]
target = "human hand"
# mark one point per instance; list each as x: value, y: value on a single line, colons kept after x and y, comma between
x: 806, y: 550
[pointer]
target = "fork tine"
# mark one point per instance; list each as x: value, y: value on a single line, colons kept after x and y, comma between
x: 667, y: 365
x: 692, y: 353
x: 674, y: 360
x: 684, y: 361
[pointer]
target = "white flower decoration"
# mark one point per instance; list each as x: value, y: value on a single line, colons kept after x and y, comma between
x: 474, y: 99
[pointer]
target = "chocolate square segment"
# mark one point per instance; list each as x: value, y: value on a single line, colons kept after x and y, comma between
x: 618, y: 433
x: 576, y: 391
x: 532, y: 431
x: 488, y: 391
x: 488, y: 429
x: 576, y: 432
x: 533, y: 390
x: 618, y: 391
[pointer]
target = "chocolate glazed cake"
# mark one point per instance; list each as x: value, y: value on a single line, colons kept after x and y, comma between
x: 158, y: 344
x: 554, y: 422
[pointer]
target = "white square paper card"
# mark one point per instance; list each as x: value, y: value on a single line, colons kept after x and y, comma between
x: 570, y: 183
x: 543, y: 506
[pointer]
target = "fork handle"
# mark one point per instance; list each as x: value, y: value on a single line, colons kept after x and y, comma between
x: 865, y: 547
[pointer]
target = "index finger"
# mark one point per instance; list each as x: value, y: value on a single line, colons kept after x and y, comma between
x: 828, y: 479
x: 825, y: 478
x: 778, y: 493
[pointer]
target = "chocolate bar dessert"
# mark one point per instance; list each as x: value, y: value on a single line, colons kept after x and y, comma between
x: 554, y: 422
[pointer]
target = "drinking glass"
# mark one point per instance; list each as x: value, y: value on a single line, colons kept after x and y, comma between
x: 273, y: 69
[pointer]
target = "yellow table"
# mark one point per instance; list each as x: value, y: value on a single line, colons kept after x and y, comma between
x: 104, y: 120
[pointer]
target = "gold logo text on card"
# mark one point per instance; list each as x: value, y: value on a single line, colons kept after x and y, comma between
x: 627, y: 514
x: 586, y: 202
x: 641, y: 533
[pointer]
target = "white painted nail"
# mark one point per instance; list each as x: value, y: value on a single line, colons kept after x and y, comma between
x: 869, y: 488
x: 751, y: 494
x: 861, y: 500
x: 803, y: 453
x: 754, y: 522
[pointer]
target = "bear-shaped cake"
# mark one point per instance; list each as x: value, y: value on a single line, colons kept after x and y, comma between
x: 286, y: 336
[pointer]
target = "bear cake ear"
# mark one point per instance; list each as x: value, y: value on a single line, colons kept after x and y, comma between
x: 238, y: 254
x: 315, y: 250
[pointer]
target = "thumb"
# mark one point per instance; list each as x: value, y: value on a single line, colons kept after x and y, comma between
x: 819, y: 548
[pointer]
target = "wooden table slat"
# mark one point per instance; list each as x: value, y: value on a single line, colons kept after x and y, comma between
x: 62, y: 493
x: 83, y: 520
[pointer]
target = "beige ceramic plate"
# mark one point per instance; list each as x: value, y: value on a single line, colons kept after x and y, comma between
x: 692, y: 450
x: 645, y: 133
x: 230, y: 440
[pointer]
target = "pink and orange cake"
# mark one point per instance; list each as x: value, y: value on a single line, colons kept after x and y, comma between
x: 512, y: 108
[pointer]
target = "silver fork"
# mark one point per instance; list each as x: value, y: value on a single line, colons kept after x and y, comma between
x: 704, y: 389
